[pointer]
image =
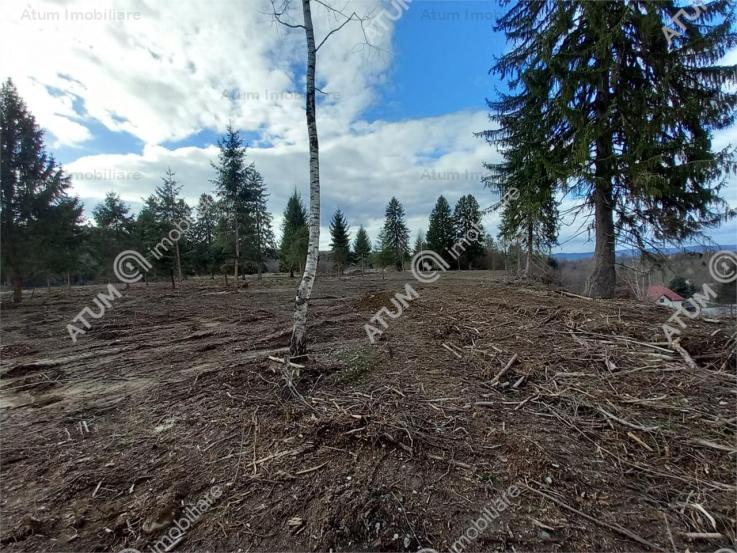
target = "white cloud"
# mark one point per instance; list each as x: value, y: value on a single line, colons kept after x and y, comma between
x: 164, y: 70
x: 353, y: 177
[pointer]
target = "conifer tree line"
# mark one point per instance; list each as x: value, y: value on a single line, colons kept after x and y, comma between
x: 228, y: 233
x: 44, y: 236
x: 600, y: 105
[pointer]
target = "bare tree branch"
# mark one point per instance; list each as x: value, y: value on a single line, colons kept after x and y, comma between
x: 278, y: 13
x: 348, y: 20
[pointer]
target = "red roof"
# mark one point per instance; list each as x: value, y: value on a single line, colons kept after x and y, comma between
x: 655, y: 291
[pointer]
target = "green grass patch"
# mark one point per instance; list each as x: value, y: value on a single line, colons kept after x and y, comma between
x: 358, y: 362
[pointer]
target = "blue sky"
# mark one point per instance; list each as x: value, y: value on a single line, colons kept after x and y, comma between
x: 124, y: 99
x: 442, y: 55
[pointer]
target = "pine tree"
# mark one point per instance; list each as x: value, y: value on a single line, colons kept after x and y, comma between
x: 261, y: 241
x: 468, y: 230
x: 113, y: 215
x: 532, y: 218
x: 205, y: 256
x: 529, y: 208
x: 341, y: 242
x: 420, y: 243
x: 295, y: 235
x: 385, y: 254
x: 230, y: 182
x: 627, y: 114
x: 149, y: 230
x: 441, y: 233
x: 63, y: 238
x: 113, y: 232
x: 395, y: 236
x: 32, y: 188
x: 169, y: 209
x: 362, y: 247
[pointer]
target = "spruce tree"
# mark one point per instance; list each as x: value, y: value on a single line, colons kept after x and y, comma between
x: 532, y: 218
x: 420, y: 243
x: 33, y: 187
x: 113, y: 215
x: 362, y: 247
x: 468, y: 230
x: 63, y: 238
x: 205, y: 256
x: 625, y: 113
x: 523, y: 178
x: 395, y: 237
x: 441, y: 234
x: 295, y: 235
x: 113, y: 232
x: 230, y: 182
x: 340, y: 243
x: 148, y: 233
x: 169, y: 209
x: 261, y: 241
x: 385, y: 254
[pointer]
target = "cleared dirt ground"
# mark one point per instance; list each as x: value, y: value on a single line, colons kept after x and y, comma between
x: 614, y: 441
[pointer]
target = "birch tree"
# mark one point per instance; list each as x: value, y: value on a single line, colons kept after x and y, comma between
x: 298, y: 344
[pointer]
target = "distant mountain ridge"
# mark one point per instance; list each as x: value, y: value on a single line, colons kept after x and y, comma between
x: 631, y: 252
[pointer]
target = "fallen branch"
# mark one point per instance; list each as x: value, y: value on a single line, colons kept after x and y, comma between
x: 509, y: 364
x: 703, y: 535
x: 627, y: 423
x: 446, y: 346
x: 686, y: 357
x: 572, y: 295
x: 615, y: 527
x: 713, y: 445
x: 282, y: 361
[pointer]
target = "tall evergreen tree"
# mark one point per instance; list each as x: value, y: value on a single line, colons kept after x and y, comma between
x: 340, y: 243
x: 420, y: 243
x: 113, y: 215
x: 149, y: 231
x: 467, y: 221
x: 113, y: 232
x: 362, y: 247
x: 523, y: 178
x: 169, y: 209
x: 261, y: 241
x: 531, y: 217
x: 295, y: 235
x: 441, y: 234
x: 205, y: 250
x: 64, y: 238
x: 384, y: 254
x: 231, y: 187
x: 628, y: 113
x: 395, y: 237
x: 32, y: 188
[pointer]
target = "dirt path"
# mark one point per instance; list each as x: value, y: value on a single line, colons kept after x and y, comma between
x: 614, y: 443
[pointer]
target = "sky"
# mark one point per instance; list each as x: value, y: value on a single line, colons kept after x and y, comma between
x: 126, y: 89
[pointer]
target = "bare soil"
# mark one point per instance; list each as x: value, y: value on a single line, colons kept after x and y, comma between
x: 614, y: 441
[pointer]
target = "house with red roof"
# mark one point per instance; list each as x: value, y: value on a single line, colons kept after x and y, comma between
x: 662, y: 295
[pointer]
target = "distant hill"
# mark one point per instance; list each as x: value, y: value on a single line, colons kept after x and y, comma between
x: 631, y: 252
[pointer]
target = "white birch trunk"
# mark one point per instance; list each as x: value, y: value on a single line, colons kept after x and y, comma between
x: 237, y: 251
x: 179, y: 261
x: 298, y: 345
